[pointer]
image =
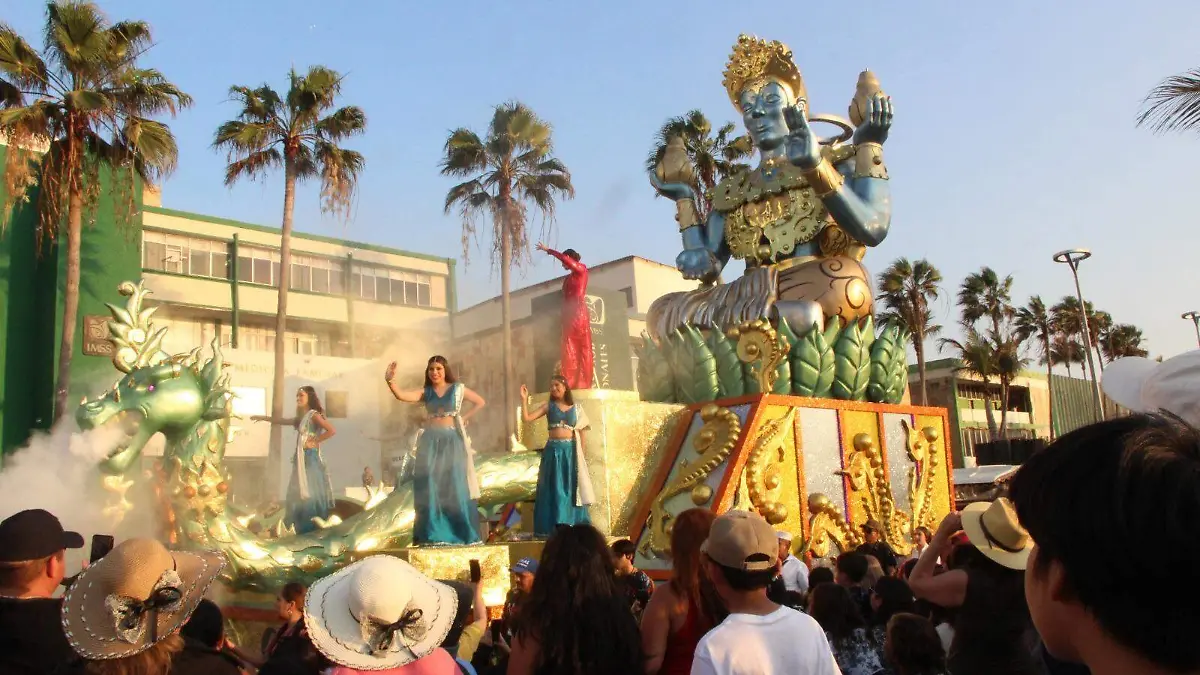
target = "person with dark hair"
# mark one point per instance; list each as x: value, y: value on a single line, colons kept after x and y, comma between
x: 204, y: 644
x: 921, y: 538
x: 445, y: 486
x: 852, y: 568
x: 913, y: 647
x: 889, y: 597
x: 564, y: 487
x: 686, y: 607
x: 837, y: 613
x: 576, y: 320
x: 575, y: 621
x: 877, y: 547
x: 33, y: 548
x: 309, y: 492
x: 818, y: 576
x: 741, y: 557
x: 637, y: 584
x: 1083, y: 499
x: 993, y: 633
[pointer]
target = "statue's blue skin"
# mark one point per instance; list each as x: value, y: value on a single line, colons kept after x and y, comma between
x: 862, y: 207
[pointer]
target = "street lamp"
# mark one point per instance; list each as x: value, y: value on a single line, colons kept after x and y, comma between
x: 1073, y: 257
x: 1195, y: 317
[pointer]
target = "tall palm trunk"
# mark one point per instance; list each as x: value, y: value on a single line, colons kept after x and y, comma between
x: 1004, y: 387
x: 70, y: 318
x: 275, y: 451
x: 506, y: 252
x: 919, y: 348
x: 1049, y: 383
x: 987, y: 410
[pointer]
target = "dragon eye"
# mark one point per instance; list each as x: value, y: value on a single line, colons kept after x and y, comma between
x: 150, y: 388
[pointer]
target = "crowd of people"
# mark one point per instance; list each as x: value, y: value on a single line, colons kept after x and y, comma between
x: 1046, y: 580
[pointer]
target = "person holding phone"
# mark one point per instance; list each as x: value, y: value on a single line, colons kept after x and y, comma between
x: 564, y: 488
x: 33, y: 548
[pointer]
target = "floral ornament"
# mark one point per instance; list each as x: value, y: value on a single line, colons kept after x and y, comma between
x: 381, y: 637
x: 130, y: 615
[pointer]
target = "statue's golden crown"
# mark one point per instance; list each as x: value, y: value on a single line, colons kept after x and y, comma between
x: 755, y: 60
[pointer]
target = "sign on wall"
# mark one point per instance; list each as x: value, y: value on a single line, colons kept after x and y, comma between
x: 95, y: 336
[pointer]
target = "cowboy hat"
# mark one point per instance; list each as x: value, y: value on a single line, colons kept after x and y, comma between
x: 378, y: 613
x: 135, y: 596
x: 1143, y: 385
x: 992, y: 527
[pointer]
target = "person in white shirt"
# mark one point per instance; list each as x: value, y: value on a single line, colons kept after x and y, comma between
x: 792, y: 569
x: 758, y: 637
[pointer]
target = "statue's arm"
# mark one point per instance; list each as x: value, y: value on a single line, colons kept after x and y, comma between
x: 704, y: 250
x: 863, y: 205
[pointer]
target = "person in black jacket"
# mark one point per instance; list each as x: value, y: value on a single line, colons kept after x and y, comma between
x: 876, y: 546
x: 204, y: 644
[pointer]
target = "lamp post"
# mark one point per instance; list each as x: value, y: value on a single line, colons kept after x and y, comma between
x: 1072, y: 258
x: 1195, y: 317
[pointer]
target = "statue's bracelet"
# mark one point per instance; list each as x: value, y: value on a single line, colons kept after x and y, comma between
x: 868, y: 161
x: 824, y: 179
x: 685, y: 213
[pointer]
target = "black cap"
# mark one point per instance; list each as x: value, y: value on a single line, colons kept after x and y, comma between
x: 34, y: 534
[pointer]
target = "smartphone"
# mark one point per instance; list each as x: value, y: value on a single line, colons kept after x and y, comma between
x: 496, y: 632
x: 476, y: 572
x: 101, y: 545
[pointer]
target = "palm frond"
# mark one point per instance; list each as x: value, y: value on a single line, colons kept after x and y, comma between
x: 240, y: 138
x: 254, y: 165
x: 464, y: 154
x: 342, y: 123
x: 340, y: 169
x: 312, y: 94
x: 1173, y: 105
x: 144, y: 91
x: 77, y: 39
x: 21, y: 65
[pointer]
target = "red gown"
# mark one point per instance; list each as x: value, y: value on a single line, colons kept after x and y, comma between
x: 576, y: 325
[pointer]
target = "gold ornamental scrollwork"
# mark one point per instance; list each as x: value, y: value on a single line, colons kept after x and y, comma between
x: 713, y: 442
x: 762, y: 468
x: 868, y: 480
x: 828, y: 528
x: 759, y: 345
x: 920, y: 483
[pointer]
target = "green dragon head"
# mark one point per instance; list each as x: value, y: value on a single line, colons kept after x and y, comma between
x: 159, y: 393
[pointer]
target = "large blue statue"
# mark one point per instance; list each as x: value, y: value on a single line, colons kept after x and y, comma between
x: 801, y: 219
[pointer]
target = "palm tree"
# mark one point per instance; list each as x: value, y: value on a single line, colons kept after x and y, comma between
x: 1065, y: 349
x: 1173, y: 105
x: 1070, y: 321
x: 79, y: 107
x: 1122, y: 340
x: 1008, y: 363
x: 509, y: 170
x: 906, y: 289
x: 976, y: 357
x: 714, y: 157
x: 1034, y: 321
x: 299, y: 133
x: 984, y: 295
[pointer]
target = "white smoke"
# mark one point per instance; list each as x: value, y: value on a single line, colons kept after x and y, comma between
x: 58, y: 471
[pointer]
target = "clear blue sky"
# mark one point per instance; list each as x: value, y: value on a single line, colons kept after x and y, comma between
x: 1014, y: 135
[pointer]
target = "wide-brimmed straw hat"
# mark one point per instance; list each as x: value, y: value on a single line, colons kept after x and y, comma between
x: 378, y: 613
x: 1143, y: 385
x: 134, y: 597
x: 993, y: 528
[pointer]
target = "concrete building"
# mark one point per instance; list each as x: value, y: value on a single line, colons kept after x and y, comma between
x: 620, y: 291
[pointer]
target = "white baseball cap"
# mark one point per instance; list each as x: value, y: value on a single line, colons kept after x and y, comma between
x: 1144, y: 385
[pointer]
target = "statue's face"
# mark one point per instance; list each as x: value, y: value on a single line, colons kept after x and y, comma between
x: 762, y: 113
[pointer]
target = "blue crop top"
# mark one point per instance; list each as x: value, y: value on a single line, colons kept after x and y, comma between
x: 440, y: 406
x: 558, y: 419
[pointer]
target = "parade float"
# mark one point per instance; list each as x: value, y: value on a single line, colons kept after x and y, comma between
x: 775, y: 392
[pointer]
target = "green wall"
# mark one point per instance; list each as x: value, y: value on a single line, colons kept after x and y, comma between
x: 31, y: 303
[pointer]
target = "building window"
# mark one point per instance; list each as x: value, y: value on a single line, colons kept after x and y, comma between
x: 260, y: 339
x: 335, y: 404
x: 179, y: 254
x: 258, y: 265
x: 395, y: 287
x: 628, y: 291
x: 318, y: 275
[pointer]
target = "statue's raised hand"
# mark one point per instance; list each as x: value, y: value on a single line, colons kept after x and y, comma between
x: 877, y: 120
x: 803, y: 146
x: 699, y: 264
x: 672, y: 191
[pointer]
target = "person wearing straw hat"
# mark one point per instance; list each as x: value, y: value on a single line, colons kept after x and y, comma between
x: 1086, y: 499
x: 381, y: 614
x: 127, y: 608
x: 992, y: 629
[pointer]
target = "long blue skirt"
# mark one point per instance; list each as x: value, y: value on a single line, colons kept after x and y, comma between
x: 445, y: 512
x: 319, y: 504
x: 557, y: 481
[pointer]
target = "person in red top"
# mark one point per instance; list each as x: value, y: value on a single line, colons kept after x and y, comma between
x: 576, y: 325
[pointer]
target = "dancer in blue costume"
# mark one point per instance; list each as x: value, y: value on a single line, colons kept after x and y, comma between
x: 309, y: 492
x: 564, y: 488
x: 445, y: 487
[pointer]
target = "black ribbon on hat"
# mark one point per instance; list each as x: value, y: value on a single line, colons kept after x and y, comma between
x: 133, y: 612
x: 381, y: 636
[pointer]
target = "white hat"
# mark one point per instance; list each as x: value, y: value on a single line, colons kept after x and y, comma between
x: 378, y: 613
x: 783, y: 535
x: 1143, y: 385
x: 993, y: 528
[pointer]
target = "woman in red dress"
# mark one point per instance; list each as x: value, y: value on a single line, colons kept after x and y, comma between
x: 576, y: 325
